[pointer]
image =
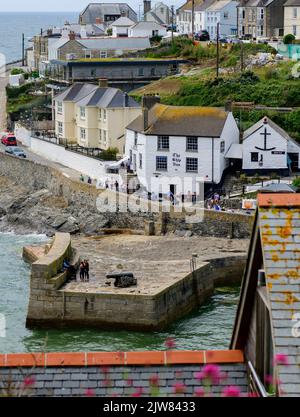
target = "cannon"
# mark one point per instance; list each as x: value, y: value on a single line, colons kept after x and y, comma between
x: 123, y: 279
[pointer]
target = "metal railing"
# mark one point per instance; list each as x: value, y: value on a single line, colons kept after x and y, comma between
x: 255, y: 384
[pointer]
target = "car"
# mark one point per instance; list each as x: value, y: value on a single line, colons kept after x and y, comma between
x: 9, y: 139
x: 14, y: 150
x: 202, y: 36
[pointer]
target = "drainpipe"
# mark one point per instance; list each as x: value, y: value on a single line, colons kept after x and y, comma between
x: 212, y: 162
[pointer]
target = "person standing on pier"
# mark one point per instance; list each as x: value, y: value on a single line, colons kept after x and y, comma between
x: 81, y: 271
x: 86, y: 271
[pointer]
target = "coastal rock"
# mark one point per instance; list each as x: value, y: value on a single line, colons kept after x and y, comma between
x: 70, y: 226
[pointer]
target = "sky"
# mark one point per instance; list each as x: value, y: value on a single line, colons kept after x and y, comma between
x: 66, y: 5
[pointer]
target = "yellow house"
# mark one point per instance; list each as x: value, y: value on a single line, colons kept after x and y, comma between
x: 94, y: 116
x: 292, y: 18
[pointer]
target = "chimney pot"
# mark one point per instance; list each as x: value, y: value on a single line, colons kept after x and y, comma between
x: 72, y: 36
x: 103, y: 82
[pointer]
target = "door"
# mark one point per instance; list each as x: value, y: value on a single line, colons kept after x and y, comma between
x: 173, y: 189
x: 294, y: 158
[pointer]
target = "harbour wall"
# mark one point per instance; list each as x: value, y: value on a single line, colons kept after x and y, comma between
x: 51, y: 305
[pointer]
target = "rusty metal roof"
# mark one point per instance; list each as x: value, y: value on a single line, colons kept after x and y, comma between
x: 279, y: 224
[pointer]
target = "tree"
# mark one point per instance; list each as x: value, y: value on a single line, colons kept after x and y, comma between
x: 288, y: 39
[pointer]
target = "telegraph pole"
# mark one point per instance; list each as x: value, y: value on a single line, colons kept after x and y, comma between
x: 23, y: 50
x: 193, y: 19
x: 218, y: 49
x: 172, y: 22
x: 242, y: 56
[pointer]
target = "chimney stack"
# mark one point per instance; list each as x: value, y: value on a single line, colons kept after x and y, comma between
x: 228, y: 106
x: 98, y: 21
x: 72, y: 36
x: 148, y: 101
x: 147, y: 6
x: 126, y: 100
x: 103, y: 82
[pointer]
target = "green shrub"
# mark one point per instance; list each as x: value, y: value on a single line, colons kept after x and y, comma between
x: 289, y: 39
x: 109, y: 154
x: 296, y: 182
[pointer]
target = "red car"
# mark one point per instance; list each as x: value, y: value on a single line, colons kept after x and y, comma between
x: 9, y: 140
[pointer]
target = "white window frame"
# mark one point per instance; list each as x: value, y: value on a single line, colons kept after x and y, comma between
x: 60, y: 128
x: 222, y: 146
x: 82, y: 113
x: 161, y: 163
x: 82, y: 134
x: 103, y: 54
x: 163, y: 143
x: 104, y: 115
x: 59, y: 107
x: 192, y: 164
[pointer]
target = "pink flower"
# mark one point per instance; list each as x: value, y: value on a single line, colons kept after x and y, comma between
x: 170, y: 343
x: 210, y: 373
x: 231, y: 391
x: 129, y: 382
x: 90, y: 393
x: 154, y: 380
x: 281, y: 359
x: 199, y: 392
x: 105, y: 369
x: 28, y: 381
x: 138, y: 393
x: 179, y: 388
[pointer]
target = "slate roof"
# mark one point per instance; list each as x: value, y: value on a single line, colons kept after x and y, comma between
x: 291, y: 3
x: 275, y: 247
x: 107, y: 98
x: 76, y: 92
x: 205, y: 5
x: 98, y: 10
x: 84, y: 94
x: 261, y: 123
x: 256, y: 3
x: 74, y: 381
x: 116, y: 43
x: 182, y: 121
x: 123, y: 21
x: 147, y: 26
x: 279, y: 221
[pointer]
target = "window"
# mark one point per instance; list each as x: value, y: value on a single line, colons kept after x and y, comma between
x: 191, y: 164
x: 163, y: 143
x: 226, y: 15
x: 100, y: 114
x: 104, y: 134
x: 140, y: 160
x: 88, y: 54
x: 161, y: 163
x: 192, y: 144
x: 295, y: 13
x: 82, y: 112
x: 103, y: 54
x: 59, y: 107
x: 141, y: 72
x: 60, y: 128
x: 254, y: 156
x: 261, y: 14
x: 264, y: 342
x: 82, y: 134
x: 135, y: 138
x: 100, y: 136
x: 294, y: 30
x: 134, y: 162
x: 104, y: 115
x: 222, y: 146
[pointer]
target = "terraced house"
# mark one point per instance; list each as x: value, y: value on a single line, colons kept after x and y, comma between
x: 94, y: 116
x: 261, y: 18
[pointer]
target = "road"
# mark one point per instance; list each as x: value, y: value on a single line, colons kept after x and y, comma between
x: 31, y: 156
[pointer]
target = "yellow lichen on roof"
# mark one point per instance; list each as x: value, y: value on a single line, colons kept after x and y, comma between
x: 178, y: 112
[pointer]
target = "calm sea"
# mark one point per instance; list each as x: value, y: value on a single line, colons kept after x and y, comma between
x: 12, y: 25
x: 210, y: 327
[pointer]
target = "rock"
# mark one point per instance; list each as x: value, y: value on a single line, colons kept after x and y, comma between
x: 69, y: 227
x: 93, y: 223
x: 180, y: 233
x: 59, y: 221
x: 188, y: 234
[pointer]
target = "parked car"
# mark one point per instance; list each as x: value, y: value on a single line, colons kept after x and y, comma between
x: 9, y: 139
x: 14, y: 150
x: 202, y: 36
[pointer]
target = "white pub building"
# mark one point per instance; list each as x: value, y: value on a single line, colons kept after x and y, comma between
x: 175, y: 148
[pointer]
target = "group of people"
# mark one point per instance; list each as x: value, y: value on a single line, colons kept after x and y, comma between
x: 84, y: 271
x: 214, y: 203
x: 89, y: 180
